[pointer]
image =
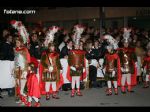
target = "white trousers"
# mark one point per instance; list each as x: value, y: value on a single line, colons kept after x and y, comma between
x: 139, y: 66
x: 126, y: 77
x: 147, y: 78
x: 109, y: 84
x: 75, y: 80
x: 47, y: 86
x: 30, y: 99
x: 22, y: 86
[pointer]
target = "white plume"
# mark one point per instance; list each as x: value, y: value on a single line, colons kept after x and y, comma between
x: 77, y: 35
x: 126, y: 34
x: 21, y: 30
x: 112, y: 41
x: 50, y: 35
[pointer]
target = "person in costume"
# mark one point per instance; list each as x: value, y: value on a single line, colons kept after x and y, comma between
x: 33, y: 84
x: 76, y: 61
x: 50, y: 70
x: 111, y: 66
x: 22, y: 58
x: 128, y: 61
x: 146, y: 70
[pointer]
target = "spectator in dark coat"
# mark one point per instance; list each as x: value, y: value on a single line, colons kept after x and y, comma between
x: 7, y: 49
x: 35, y: 47
x: 8, y: 54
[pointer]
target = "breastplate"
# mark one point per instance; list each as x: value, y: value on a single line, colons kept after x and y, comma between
x: 126, y: 62
x: 110, y: 66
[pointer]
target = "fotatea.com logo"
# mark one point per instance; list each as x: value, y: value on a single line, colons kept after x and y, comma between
x: 10, y: 11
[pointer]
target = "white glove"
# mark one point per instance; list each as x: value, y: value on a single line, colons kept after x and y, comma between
x: 73, y: 68
x: 142, y: 69
x: 113, y: 73
x: 122, y: 69
x: 136, y: 64
x: 83, y: 70
x: 50, y: 68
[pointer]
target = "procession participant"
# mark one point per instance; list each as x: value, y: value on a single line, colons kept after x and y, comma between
x: 128, y: 61
x: 146, y: 66
x: 111, y: 65
x: 50, y: 70
x: 33, y: 84
x: 22, y: 58
x: 77, y: 62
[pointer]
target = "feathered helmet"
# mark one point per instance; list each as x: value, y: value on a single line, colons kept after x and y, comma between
x: 111, y: 41
x: 77, y: 35
x: 126, y: 35
x: 22, y: 32
x: 50, y: 35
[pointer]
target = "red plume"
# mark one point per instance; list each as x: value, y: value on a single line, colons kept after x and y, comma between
x: 12, y: 21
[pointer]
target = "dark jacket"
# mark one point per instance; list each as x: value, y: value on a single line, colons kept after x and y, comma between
x: 64, y: 52
x: 7, y: 52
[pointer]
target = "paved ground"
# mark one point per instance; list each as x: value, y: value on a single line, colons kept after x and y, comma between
x: 93, y: 97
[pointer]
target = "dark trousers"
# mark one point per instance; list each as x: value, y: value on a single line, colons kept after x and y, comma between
x: 92, y: 76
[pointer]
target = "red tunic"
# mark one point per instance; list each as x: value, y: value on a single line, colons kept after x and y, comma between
x: 115, y: 56
x: 134, y: 75
x: 83, y: 76
x: 42, y: 84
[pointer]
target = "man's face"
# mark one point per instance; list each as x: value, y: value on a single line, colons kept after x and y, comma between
x: 34, y: 37
x: 70, y: 44
x: 5, y: 32
x: 96, y: 44
x: 10, y: 39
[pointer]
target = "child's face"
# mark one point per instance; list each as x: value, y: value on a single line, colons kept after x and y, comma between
x: 18, y: 43
x: 29, y: 68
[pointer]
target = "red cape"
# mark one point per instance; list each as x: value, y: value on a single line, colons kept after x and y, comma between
x: 33, y: 85
x: 146, y: 59
x: 133, y: 76
x: 32, y: 81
